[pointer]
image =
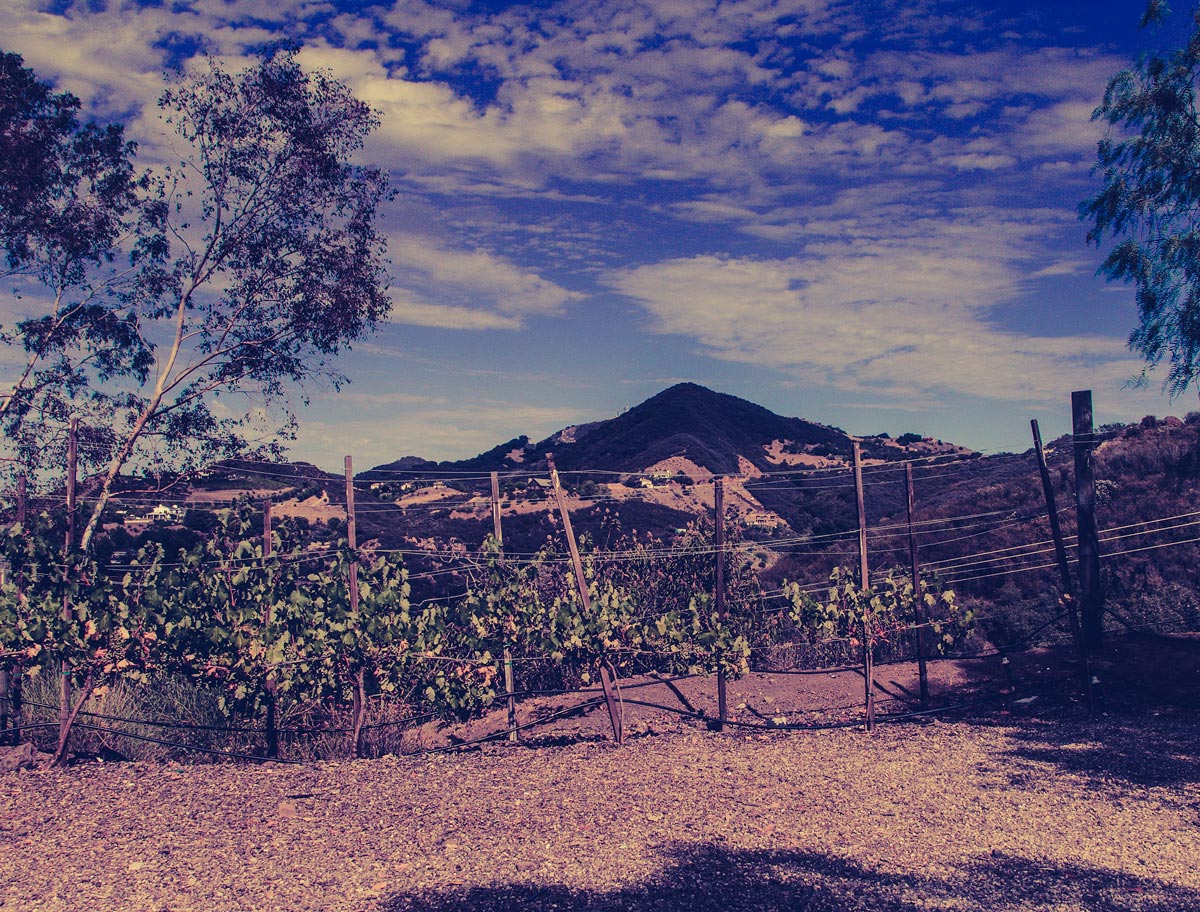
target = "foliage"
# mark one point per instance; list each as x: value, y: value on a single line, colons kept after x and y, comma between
x: 257, y: 260
x: 109, y: 629
x: 278, y: 630
x: 673, y: 587
x: 1148, y: 202
x: 385, y: 643
x: 884, y: 615
x: 64, y: 614
x: 652, y: 609
x: 248, y: 630
x: 68, y: 195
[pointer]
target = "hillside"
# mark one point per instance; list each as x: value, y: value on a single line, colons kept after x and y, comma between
x: 647, y: 465
x: 711, y: 429
x: 789, y: 491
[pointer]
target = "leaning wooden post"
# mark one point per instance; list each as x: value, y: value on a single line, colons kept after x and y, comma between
x: 1091, y: 598
x: 360, y: 697
x: 864, y: 581
x: 606, y: 681
x: 719, y: 544
x: 1064, y: 569
x: 918, y: 597
x: 509, y: 687
x: 64, y: 693
x: 15, y: 679
x: 5, y: 679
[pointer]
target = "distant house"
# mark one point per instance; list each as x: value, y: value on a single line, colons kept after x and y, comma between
x: 661, y: 477
x: 160, y: 513
x: 166, y: 513
x: 761, y: 518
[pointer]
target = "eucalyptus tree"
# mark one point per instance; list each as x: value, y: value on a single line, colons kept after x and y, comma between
x: 256, y: 260
x: 1149, y: 203
x: 69, y: 197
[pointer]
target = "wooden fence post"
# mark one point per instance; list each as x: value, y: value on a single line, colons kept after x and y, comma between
x: 864, y: 582
x: 5, y: 677
x: 510, y: 700
x: 1091, y: 598
x: 719, y: 545
x: 271, y: 684
x: 1064, y: 570
x: 918, y: 596
x: 64, y: 692
x: 15, y: 673
x: 606, y: 681
x: 359, y: 679
x: 267, y: 543
x: 351, y: 534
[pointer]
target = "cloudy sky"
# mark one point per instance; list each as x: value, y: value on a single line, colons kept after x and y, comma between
x: 861, y: 213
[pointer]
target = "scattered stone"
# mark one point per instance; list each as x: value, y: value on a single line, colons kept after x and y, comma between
x: 23, y: 756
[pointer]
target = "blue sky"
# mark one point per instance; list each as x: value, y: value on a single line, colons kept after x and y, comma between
x: 861, y: 213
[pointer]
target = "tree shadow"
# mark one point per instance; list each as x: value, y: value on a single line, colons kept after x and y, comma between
x: 1154, y: 752
x: 1138, y: 738
x: 706, y: 878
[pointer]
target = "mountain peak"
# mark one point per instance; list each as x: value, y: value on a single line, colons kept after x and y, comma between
x: 714, y: 430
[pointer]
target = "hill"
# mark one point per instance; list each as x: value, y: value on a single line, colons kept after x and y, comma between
x: 712, y: 430
x: 981, y: 519
x: 641, y: 464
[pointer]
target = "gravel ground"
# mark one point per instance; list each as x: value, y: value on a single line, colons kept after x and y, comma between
x: 1025, y: 815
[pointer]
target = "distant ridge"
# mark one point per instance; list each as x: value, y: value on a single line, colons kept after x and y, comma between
x: 716, y: 431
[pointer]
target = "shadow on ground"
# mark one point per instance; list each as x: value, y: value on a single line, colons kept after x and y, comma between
x: 1146, y: 731
x: 1151, y: 753
x: 708, y: 878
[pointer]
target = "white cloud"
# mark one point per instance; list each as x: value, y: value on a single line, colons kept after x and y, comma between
x: 1063, y: 268
x: 620, y: 91
x: 448, y: 316
x: 910, y: 316
x: 979, y: 161
x: 1064, y: 128
x: 112, y: 69
x: 474, y: 276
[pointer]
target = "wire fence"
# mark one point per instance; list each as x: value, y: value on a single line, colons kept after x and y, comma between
x: 936, y: 534
x: 243, y: 743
